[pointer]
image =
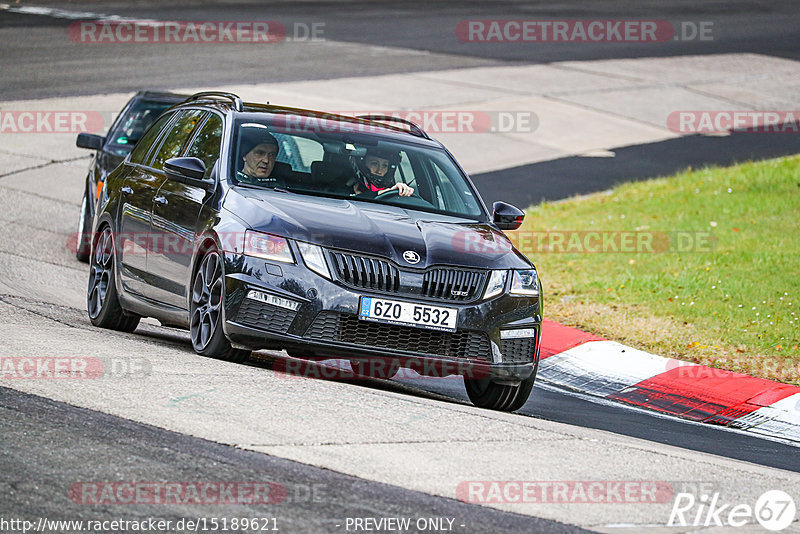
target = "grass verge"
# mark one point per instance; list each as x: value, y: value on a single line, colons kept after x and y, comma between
x: 702, y: 266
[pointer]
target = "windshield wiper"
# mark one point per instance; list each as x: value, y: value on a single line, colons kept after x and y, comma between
x: 261, y: 187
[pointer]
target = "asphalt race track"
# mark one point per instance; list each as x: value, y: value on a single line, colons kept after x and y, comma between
x: 416, y: 27
x: 335, y: 450
x: 315, y: 499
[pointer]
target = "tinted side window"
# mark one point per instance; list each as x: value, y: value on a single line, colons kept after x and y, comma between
x: 143, y: 146
x: 206, y: 144
x: 176, y: 138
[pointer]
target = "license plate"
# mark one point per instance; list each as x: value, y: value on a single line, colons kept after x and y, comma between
x: 408, y: 314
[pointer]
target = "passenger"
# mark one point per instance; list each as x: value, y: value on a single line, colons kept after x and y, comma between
x: 375, y: 174
x: 260, y: 151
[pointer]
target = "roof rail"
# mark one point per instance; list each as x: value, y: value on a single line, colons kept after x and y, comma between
x: 414, y: 128
x: 235, y: 100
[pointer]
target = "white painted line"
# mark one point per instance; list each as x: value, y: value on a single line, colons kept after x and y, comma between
x: 778, y: 419
x: 603, y: 368
x: 62, y: 13
x: 598, y: 369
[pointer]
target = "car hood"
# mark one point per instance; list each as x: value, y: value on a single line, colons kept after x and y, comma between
x: 376, y: 229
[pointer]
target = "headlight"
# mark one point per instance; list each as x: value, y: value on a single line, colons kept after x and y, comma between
x: 497, y: 282
x: 524, y: 283
x: 268, y: 247
x: 314, y: 259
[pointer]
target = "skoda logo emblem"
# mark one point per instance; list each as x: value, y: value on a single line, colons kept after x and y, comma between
x: 411, y: 257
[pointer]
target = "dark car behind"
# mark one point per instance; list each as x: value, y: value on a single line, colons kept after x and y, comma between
x: 135, y: 118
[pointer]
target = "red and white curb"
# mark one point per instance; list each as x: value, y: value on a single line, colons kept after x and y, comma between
x: 598, y: 367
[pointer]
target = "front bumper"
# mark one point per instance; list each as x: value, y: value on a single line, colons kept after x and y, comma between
x: 320, y: 317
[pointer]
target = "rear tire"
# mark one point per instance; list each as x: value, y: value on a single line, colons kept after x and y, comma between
x: 83, y: 246
x: 493, y: 396
x: 102, y: 302
x: 205, y: 312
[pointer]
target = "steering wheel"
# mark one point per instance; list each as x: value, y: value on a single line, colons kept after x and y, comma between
x: 387, y: 193
x: 411, y: 202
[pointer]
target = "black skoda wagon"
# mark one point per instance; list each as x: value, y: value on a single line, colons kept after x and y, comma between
x: 265, y: 227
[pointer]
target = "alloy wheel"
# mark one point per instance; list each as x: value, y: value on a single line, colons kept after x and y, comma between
x: 206, y: 301
x: 100, y: 272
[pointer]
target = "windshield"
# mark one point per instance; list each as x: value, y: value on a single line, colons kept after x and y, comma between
x: 130, y: 127
x: 348, y: 164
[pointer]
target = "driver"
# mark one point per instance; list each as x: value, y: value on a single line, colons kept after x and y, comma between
x: 375, y: 174
x: 260, y: 150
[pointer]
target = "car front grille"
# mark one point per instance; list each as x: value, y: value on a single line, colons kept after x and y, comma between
x: 452, y: 284
x: 265, y: 316
x: 362, y: 271
x: 346, y: 328
x: 379, y: 275
x: 520, y: 350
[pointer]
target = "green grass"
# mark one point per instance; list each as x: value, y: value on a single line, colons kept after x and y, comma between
x: 731, y: 303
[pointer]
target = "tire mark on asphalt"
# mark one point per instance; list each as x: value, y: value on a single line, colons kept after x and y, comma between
x: 80, y: 269
x: 145, y: 333
x: 8, y: 299
x: 42, y: 165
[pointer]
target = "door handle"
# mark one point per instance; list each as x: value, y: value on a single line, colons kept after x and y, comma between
x: 160, y: 200
x: 127, y: 190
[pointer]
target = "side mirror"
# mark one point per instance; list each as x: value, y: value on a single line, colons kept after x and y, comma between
x: 90, y: 141
x: 507, y: 217
x: 188, y: 171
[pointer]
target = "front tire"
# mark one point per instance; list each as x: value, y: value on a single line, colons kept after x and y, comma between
x: 102, y: 302
x: 502, y: 397
x: 205, y: 313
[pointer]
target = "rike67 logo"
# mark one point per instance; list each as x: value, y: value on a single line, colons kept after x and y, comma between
x: 774, y: 510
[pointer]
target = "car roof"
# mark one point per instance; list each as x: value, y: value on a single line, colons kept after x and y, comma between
x: 229, y: 102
